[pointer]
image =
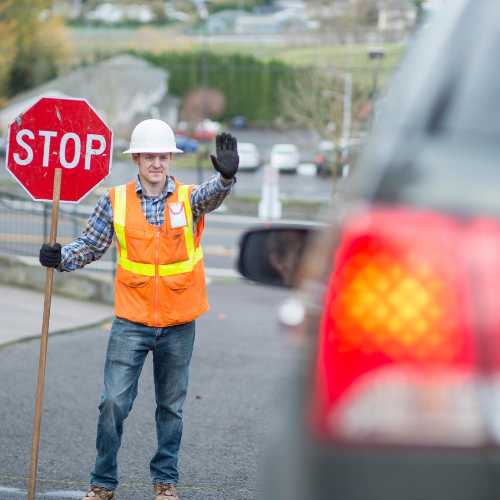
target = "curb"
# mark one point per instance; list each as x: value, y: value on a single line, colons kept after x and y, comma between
x: 21, y: 272
x: 58, y: 332
x: 291, y: 209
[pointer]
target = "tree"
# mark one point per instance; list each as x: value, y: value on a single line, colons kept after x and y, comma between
x: 8, y: 38
x: 303, y: 101
x: 36, y: 43
x: 366, y: 12
x: 200, y: 103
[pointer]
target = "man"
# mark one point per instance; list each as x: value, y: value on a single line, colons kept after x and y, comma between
x: 159, y: 292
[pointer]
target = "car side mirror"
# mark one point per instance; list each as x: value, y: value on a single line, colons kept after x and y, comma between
x: 272, y: 256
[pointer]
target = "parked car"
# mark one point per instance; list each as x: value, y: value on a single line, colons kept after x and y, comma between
x: 3, y: 145
x: 326, y: 158
x: 249, y: 156
x: 239, y: 122
x: 206, y: 130
x: 285, y: 157
x: 395, y: 302
x: 188, y: 145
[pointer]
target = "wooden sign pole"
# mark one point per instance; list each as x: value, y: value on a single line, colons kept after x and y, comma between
x: 45, y: 335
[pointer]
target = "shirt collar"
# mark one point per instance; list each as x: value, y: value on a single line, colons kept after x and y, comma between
x: 167, y: 191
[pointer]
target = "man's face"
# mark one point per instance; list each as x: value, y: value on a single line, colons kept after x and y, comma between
x: 153, y: 167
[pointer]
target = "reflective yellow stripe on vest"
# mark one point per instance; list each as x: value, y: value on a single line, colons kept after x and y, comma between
x: 120, y: 210
x: 119, y: 218
x: 137, y: 267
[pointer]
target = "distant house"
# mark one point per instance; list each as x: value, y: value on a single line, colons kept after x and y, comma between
x: 111, y: 14
x: 396, y: 15
x: 224, y: 21
x: 283, y: 21
x: 120, y: 89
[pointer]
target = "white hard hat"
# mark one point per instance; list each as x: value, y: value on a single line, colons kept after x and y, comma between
x: 153, y: 136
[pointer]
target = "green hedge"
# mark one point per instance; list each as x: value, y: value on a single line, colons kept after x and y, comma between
x: 249, y: 84
x: 217, y: 7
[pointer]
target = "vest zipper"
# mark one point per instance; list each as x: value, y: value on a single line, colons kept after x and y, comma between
x: 157, y: 277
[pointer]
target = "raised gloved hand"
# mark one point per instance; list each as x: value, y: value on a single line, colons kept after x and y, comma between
x: 227, y: 155
x: 50, y: 256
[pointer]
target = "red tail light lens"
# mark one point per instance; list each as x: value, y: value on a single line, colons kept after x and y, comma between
x: 397, y: 362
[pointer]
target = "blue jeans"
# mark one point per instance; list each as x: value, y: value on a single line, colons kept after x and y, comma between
x: 128, y: 346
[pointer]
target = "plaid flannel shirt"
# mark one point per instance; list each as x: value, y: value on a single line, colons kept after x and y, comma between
x: 98, y: 235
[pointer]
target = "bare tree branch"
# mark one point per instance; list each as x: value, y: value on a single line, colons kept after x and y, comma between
x: 303, y: 101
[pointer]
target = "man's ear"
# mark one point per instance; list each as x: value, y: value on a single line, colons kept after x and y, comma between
x: 135, y: 157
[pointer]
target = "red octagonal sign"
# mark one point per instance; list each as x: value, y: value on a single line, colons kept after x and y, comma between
x: 59, y: 133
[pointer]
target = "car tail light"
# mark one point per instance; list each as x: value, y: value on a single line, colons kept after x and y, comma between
x: 405, y: 356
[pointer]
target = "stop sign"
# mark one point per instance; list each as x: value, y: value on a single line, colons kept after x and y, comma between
x: 59, y: 133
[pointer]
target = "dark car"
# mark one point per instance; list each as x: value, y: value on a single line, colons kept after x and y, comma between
x: 239, y: 122
x: 326, y: 158
x: 396, y: 302
x: 186, y: 144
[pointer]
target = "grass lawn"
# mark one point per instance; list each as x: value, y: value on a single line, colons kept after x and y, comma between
x: 332, y: 56
x: 341, y: 56
x: 171, y: 39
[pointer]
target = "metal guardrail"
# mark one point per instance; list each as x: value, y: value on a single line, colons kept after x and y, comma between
x: 25, y: 226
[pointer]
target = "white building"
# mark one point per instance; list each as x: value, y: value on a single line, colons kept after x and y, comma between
x: 110, y: 13
x: 224, y: 21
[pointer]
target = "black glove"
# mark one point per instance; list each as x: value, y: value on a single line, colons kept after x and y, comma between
x: 50, y: 256
x: 227, y: 155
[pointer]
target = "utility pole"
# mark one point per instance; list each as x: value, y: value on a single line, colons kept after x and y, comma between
x: 204, y: 81
x: 346, y: 132
x: 376, y: 54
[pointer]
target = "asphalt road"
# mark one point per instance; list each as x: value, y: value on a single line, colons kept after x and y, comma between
x: 239, y: 364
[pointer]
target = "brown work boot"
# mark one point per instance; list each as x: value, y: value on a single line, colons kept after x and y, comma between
x: 99, y: 493
x: 165, y: 491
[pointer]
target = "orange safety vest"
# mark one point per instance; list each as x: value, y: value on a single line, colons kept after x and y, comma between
x: 160, y: 278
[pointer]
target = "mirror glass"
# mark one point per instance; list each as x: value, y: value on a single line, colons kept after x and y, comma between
x: 272, y: 256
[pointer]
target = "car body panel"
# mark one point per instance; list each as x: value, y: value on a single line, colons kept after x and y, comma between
x: 435, y: 147
x: 285, y: 157
x: 249, y: 156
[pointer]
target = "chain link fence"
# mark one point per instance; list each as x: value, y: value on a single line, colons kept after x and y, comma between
x: 25, y: 226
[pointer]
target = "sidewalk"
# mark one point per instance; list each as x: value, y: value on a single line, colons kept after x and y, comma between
x: 21, y: 311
